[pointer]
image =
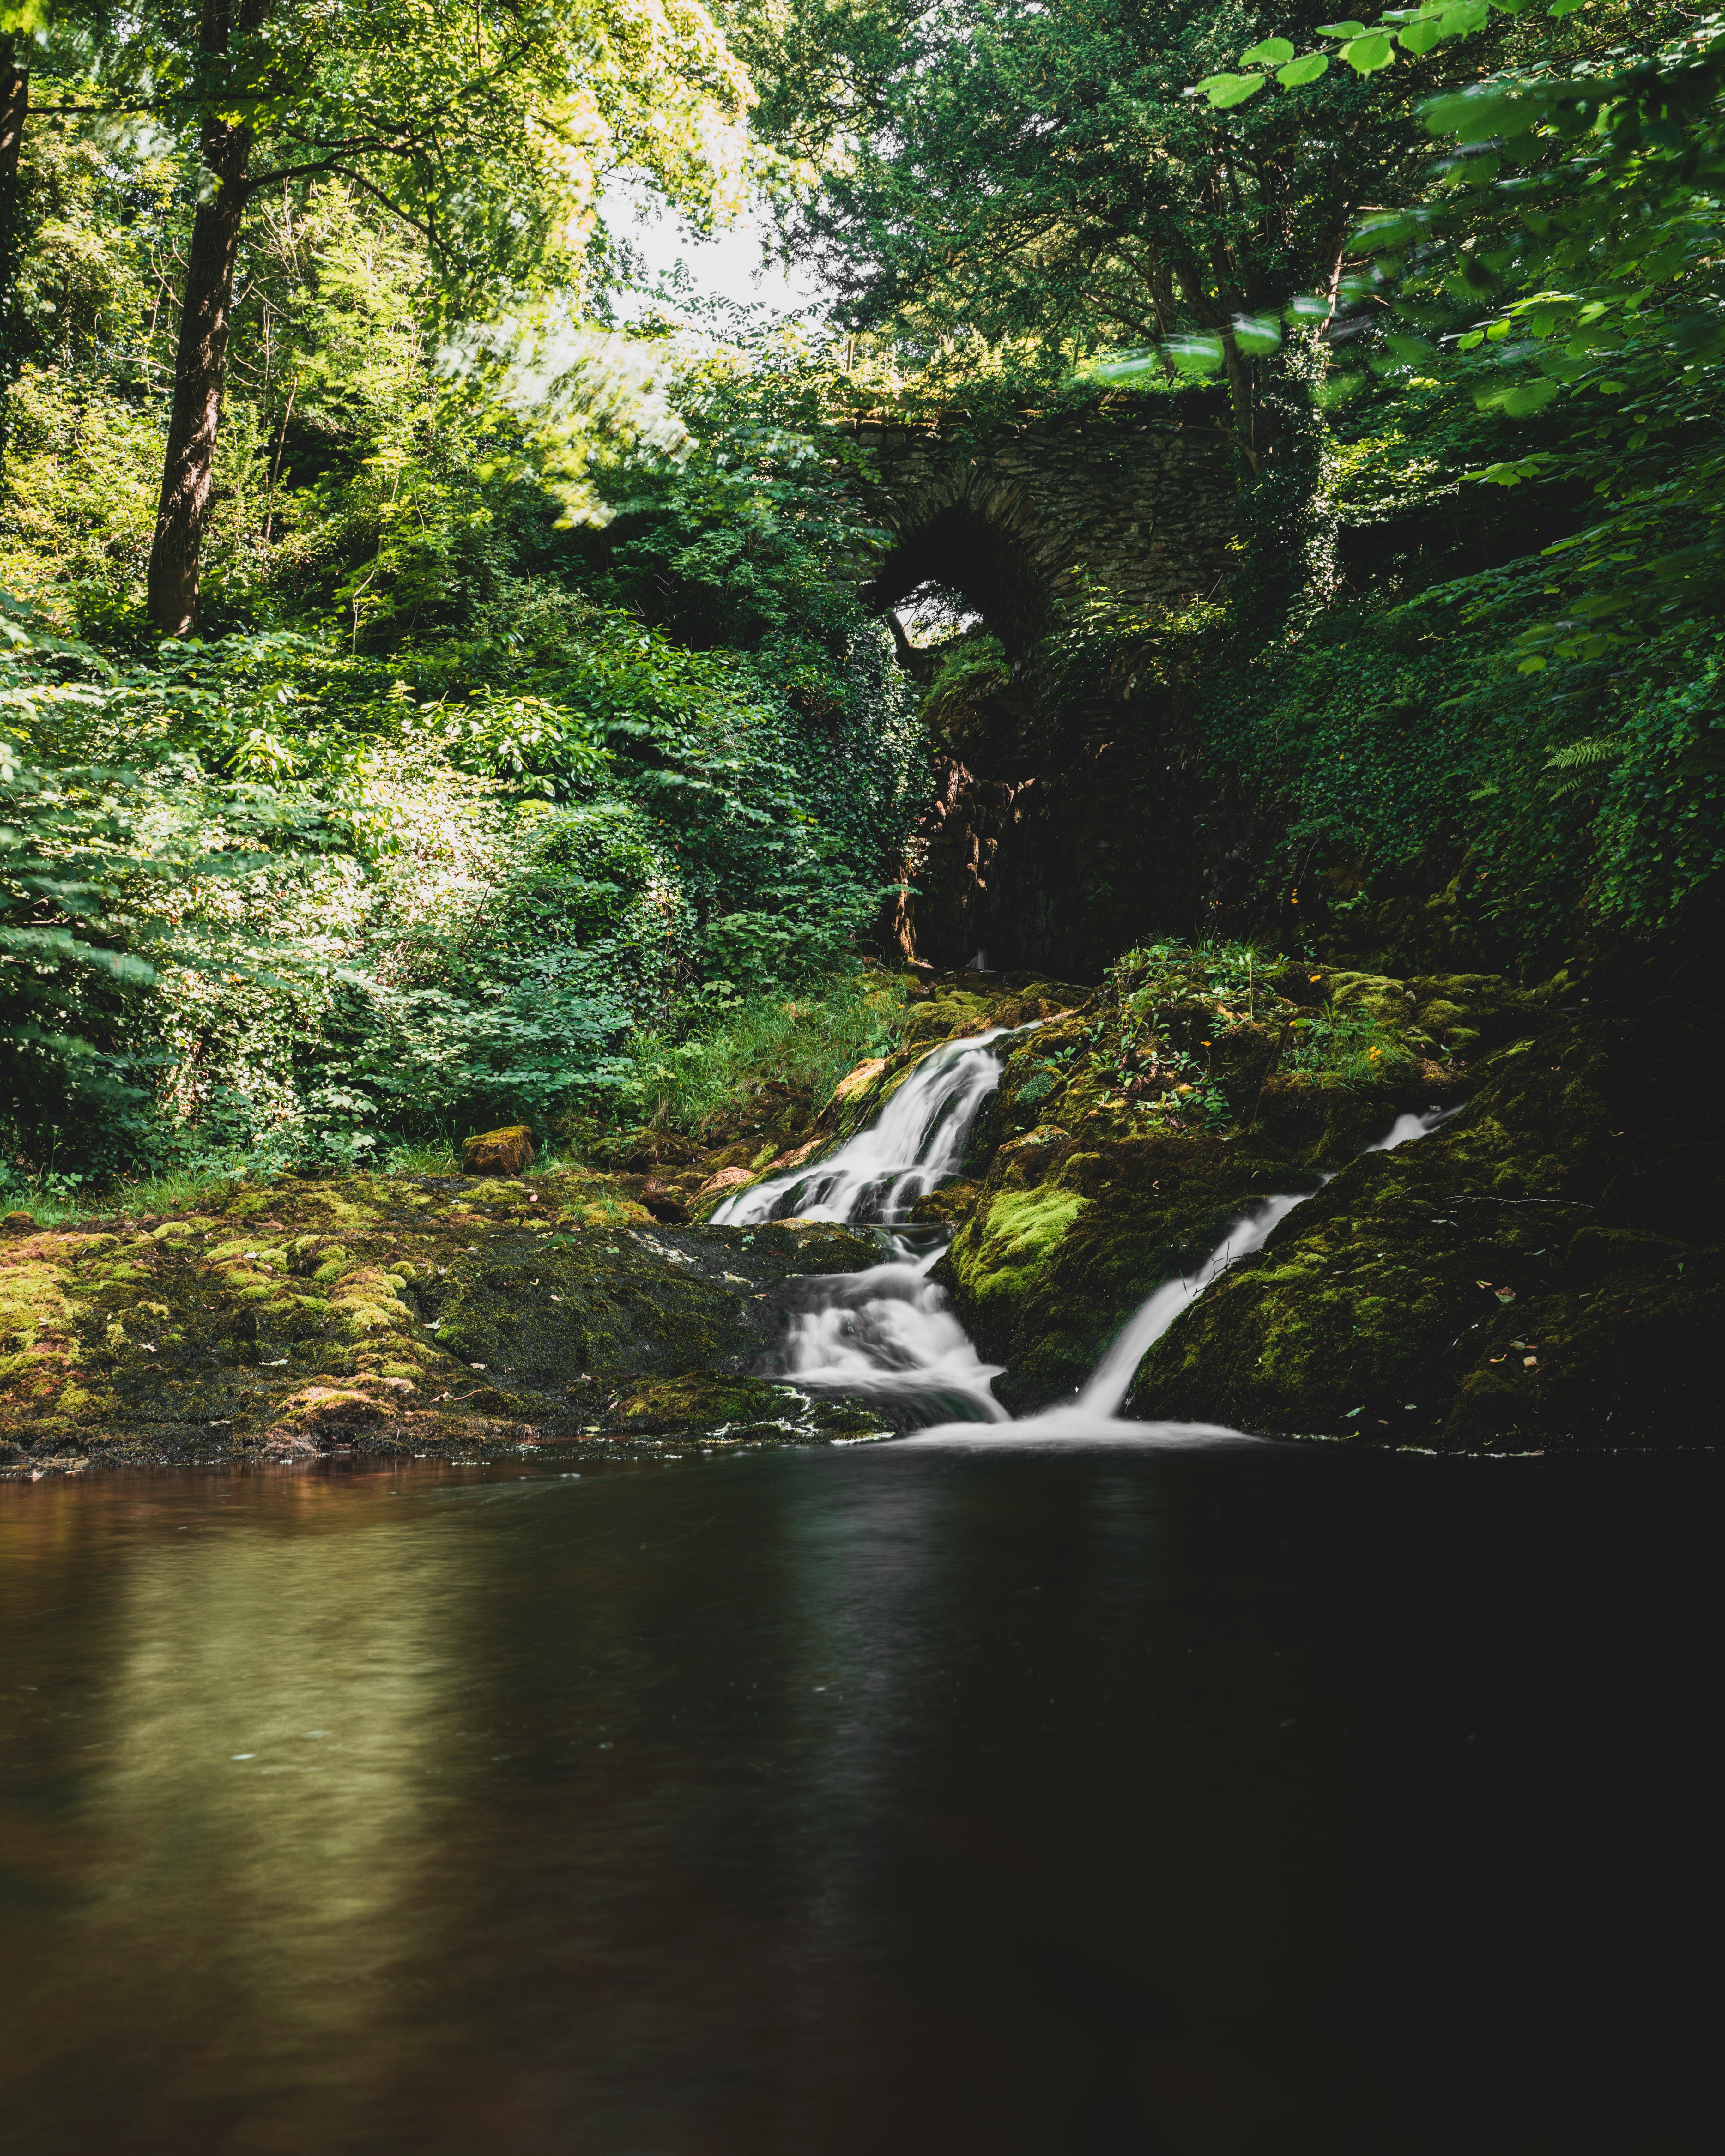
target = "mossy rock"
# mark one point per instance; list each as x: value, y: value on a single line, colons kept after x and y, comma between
x: 703, y: 1400
x: 723, y: 1405
x: 1127, y: 1136
x: 1071, y: 1233
x: 948, y: 1206
x: 1472, y: 1290
x: 186, y: 1346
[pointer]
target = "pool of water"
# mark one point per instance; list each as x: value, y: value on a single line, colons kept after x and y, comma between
x: 988, y: 1797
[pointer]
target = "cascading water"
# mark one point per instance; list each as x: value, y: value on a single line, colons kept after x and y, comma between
x: 1097, y: 1408
x: 889, y: 1334
x: 917, y: 1141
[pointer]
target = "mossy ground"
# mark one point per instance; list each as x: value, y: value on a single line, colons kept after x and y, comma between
x: 425, y: 1312
x: 392, y: 1311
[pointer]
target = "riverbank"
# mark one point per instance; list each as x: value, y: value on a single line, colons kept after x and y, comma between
x: 1539, y: 1272
x: 450, y: 1315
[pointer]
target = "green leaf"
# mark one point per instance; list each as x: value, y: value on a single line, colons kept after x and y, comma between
x: 1475, y: 114
x: 1341, y: 29
x: 1370, y: 53
x: 1255, y: 335
x: 1304, y: 70
x: 1518, y: 402
x: 1272, y: 52
x: 1513, y: 473
x: 1227, y: 90
x: 1418, y: 38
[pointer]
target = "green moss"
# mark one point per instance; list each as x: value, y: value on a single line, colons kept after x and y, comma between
x: 1464, y: 1291
x: 1011, y: 1238
x: 700, y: 1399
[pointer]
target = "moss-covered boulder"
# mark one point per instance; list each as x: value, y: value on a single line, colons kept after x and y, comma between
x: 1073, y: 1229
x: 1130, y: 1133
x: 506, y: 1151
x: 1537, y: 1272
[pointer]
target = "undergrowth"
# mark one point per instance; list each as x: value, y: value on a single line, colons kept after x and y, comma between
x: 1347, y: 1047
x: 803, y: 1043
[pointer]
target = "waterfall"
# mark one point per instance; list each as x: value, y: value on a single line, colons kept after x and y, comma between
x: 890, y: 1334
x: 917, y: 1141
x: 1108, y: 1384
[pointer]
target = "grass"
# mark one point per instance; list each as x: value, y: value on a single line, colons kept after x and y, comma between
x: 172, y: 1190
x: 805, y: 1043
x: 1347, y: 1047
x: 422, y: 1157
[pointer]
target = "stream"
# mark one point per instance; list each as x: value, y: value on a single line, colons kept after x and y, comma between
x: 1082, y: 1785
x: 890, y: 1335
x: 939, y: 1799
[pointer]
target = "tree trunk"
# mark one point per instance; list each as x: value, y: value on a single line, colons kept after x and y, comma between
x: 187, y: 476
x: 186, y: 482
x: 14, y: 105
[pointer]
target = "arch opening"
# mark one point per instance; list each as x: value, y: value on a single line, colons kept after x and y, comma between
x: 958, y: 551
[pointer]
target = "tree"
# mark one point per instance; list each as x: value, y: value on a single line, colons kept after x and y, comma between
x: 14, y: 108
x: 1042, y: 174
x: 1563, y: 260
x: 489, y: 133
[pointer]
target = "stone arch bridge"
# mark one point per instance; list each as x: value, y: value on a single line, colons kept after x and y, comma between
x: 1022, y: 520
x: 1059, y: 833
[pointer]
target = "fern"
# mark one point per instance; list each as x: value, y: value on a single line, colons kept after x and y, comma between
x: 1583, y: 761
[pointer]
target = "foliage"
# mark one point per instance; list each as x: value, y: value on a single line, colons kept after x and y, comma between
x: 458, y: 825
x: 490, y: 145
x: 804, y: 1044
x: 1039, y: 177
x: 1565, y: 255
x: 1347, y: 1047
x: 976, y: 668
x: 1396, y: 736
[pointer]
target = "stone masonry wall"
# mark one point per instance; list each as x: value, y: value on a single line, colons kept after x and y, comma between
x: 1063, y: 834
x: 1140, y: 508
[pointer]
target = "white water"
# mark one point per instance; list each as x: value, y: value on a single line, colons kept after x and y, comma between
x: 916, y: 1142
x: 889, y: 1334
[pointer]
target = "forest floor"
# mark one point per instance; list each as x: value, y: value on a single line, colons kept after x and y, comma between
x: 1538, y: 1271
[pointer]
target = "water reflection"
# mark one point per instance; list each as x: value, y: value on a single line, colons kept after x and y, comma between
x: 919, y: 1798
x: 263, y: 1761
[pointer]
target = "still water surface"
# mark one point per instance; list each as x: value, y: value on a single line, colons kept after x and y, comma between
x: 901, y: 1798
